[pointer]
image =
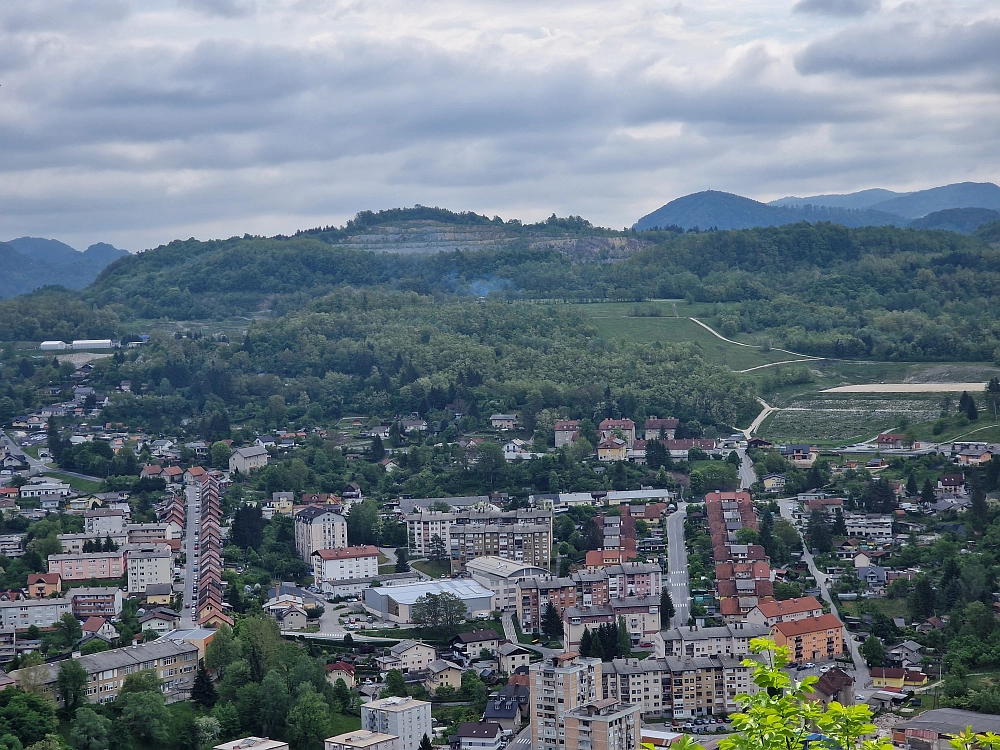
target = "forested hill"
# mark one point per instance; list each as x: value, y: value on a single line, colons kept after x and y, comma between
x: 819, y: 288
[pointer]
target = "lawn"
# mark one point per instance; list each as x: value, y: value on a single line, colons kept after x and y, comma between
x: 613, y: 321
x: 433, y: 568
x: 342, y: 723
x: 888, y: 607
x: 80, y: 485
x: 384, y: 569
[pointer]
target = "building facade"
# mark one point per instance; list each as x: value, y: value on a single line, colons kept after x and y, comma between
x: 345, y: 564
x: 406, y: 718
x: 502, y: 576
x: 605, y: 724
x: 559, y: 684
x: 318, y: 527
x: 87, y: 565
x: 147, y: 564
x: 23, y: 613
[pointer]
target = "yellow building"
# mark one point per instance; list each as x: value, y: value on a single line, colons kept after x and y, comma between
x: 443, y: 673
x: 811, y: 638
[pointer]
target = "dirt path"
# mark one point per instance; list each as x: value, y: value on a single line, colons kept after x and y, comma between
x: 907, y: 388
x: 751, y: 346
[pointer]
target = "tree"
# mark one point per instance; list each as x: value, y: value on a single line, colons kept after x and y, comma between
x: 362, y: 521
x: 593, y: 535
x: 971, y: 410
x: 586, y: 642
x: 839, y: 523
x: 444, y: 610
x: 71, y: 683
x: 26, y: 716
x: 343, y: 695
x: 259, y: 638
x: 376, y: 451
x: 872, y: 651
x: 90, y: 731
x: 309, y: 720
x: 436, y: 549
x: 203, y: 691
x: 247, y: 530
x: 425, y: 743
x: 820, y: 537
x: 667, y: 610
x: 223, y: 649
x: 911, y: 486
x: 145, y: 715
x: 395, y: 684
x: 94, y: 646
x: 927, y: 492
x: 219, y: 454
x: 69, y: 630
x: 552, y: 625
x: 746, y: 535
x: 921, y: 600
x: 228, y: 717
x: 207, y: 730
x: 978, y: 507
x: 490, y: 460
x: 402, y: 561
x: 143, y: 681
x: 274, y: 709
x: 624, y: 645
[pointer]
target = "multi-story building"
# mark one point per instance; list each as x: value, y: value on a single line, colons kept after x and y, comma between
x: 634, y: 579
x: 104, y: 521
x: 477, y: 735
x: 770, y: 612
x: 12, y: 545
x: 95, y: 601
x: 585, y: 588
x: 406, y: 718
x: 72, y: 544
x: 87, y: 565
x: 869, y: 525
x: 678, y: 687
x: 559, y: 684
x: 502, y: 576
x: 345, y: 564
x: 726, y: 640
x: 23, y: 613
x: 811, y: 638
x: 175, y: 663
x: 148, y: 533
x: 147, y: 564
x: 605, y: 724
x: 523, y: 535
x: 319, y: 527
x: 359, y: 739
x: 406, y: 656
x: 641, y: 613
x: 45, y: 490
x: 245, y: 460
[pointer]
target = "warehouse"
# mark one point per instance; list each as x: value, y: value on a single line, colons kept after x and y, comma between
x: 393, y: 603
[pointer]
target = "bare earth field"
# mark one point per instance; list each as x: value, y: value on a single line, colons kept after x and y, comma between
x: 907, y: 388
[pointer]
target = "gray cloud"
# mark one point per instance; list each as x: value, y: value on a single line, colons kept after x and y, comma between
x: 906, y: 49
x: 837, y: 7
x: 224, y: 8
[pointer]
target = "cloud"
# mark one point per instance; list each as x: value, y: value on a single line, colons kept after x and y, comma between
x: 906, y: 49
x: 837, y: 7
x: 224, y: 8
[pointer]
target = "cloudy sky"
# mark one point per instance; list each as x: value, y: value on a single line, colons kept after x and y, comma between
x: 139, y: 122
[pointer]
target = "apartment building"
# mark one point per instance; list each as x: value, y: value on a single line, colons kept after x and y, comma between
x: 587, y: 588
x: 406, y: 656
x: 811, y: 638
x: 559, y: 684
x: 523, y: 535
x: 23, y: 613
x: 148, y: 533
x: 95, y: 601
x: 869, y: 526
x: 605, y: 724
x: 345, y: 564
x: 641, y: 613
x: 86, y: 565
x: 725, y: 640
x: 634, y: 579
x: 406, y: 718
x: 771, y: 611
x: 148, y: 564
x: 104, y: 521
x: 318, y: 527
x: 45, y: 490
x: 477, y: 735
x: 175, y: 663
x: 359, y: 739
x: 72, y: 544
x: 12, y: 545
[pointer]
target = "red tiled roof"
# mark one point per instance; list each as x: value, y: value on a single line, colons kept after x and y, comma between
x: 808, y: 625
x: 773, y: 608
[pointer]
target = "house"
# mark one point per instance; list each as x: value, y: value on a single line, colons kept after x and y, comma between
x: 906, y: 652
x: 892, y: 441
x: 160, y: 620
x: 159, y: 593
x: 952, y: 483
x: 969, y: 457
x: 773, y: 483
x: 503, y: 421
x: 834, y: 685
x: 660, y: 429
x: 567, y: 431
x: 172, y: 474
x: 442, y: 673
x: 770, y: 612
x: 612, y: 449
x: 100, y: 627
x: 504, y: 711
x: 477, y: 735
x: 406, y: 656
x: 245, y: 460
x: 935, y: 729
x: 408, y: 425
x: 340, y: 670
x: 513, y: 656
x: 194, y: 474
x: 896, y: 677
x: 468, y: 645
x: 625, y: 428
x: 44, y: 585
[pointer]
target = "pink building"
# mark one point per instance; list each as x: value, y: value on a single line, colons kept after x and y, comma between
x: 87, y: 565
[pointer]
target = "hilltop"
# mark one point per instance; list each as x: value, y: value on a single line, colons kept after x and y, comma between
x: 33, y: 262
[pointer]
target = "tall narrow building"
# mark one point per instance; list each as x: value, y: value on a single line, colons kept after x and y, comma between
x: 560, y: 684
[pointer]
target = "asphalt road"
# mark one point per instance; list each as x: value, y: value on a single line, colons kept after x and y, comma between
x: 747, y: 475
x: 677, y: 576
x: 862, y: 677
x: 193, y: 503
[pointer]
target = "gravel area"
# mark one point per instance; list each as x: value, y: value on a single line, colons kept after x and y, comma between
x: 907, y: 388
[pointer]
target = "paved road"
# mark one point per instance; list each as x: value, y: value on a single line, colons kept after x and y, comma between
x: 677, y: 576
x: 747, y: 475
x: 862, y: 677
x: 192, y: 496
x: 35, y: 466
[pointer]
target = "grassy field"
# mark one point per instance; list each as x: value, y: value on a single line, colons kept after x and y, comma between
x: 614, y: 322
x: 433, y: 568
x: 80, y: 485
x: 888, y: 607
x: 342, y: 723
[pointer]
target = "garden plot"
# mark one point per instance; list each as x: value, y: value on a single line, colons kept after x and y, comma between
x: 848, y: 417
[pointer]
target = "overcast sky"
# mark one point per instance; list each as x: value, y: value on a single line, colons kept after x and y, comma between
x: 139, y: 122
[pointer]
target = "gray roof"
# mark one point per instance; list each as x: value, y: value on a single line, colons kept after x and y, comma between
x: 440, y: 665
x: 408, y: 593
x: 502, y: 708
x: 311, y: 512
x: 403, y: 646
x: 253, y: 450
x: 119, y: 658
x: 952, y: 721
x: 694, y: 633
x: 506, y: 649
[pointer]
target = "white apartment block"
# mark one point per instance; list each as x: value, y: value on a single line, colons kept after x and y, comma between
x: 45, y: 490
x: 318, y: 527
x: 22, y: 614
x: 869, y: 525
x: 422, y: 527
x: 726, y: 640
x: 406, y: 718
x: 345, y: 564
x: 147, y: 564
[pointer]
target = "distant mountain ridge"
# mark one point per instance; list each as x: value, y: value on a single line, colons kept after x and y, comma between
x: 874, y: 207
x: 33, y: 262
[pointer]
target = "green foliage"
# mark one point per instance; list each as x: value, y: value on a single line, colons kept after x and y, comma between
x: 309, y: 720
x: 26, y: 716
x: 145, y: 715
x: 444, y: 610
x: 552, y: 624
x: 395, y: 684
x: 90, y: 731
x: 203, y: 692
x: 71, y: 684
x: 873, y: 651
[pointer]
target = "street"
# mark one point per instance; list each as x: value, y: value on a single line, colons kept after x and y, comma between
x: 193, y: 502
x: 862, y: 677
x: 677, y: 576
x: 747, y: 475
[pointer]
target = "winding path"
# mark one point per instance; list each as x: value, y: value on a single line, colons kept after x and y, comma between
x: 754, y: 346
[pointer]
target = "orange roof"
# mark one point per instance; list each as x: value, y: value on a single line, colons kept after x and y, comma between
x: 347, y: 553
x: 808, y: 625
x: 773, y: 608
x: 340, y: 666
x: 196, y: 471
x: 93, y: 624
x: 49, y: 578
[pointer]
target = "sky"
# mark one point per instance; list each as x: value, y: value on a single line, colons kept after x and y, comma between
x: 136, y: 123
